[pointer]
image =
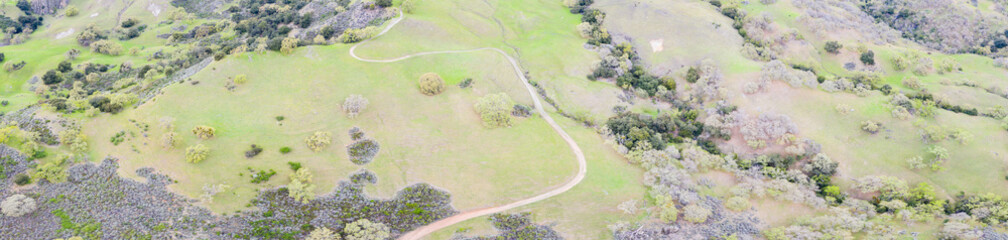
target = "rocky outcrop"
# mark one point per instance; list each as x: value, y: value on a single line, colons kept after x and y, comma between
x: 48, y: 6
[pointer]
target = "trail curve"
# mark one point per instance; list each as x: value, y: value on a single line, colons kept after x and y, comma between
x: 470, y: 214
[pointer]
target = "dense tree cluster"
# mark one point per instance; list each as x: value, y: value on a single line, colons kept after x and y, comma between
x: 948, y: 26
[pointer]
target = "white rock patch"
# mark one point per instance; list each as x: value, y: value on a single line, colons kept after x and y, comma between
x: 656, y: 45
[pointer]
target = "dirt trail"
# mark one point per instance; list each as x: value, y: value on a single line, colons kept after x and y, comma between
x: 474, y: 213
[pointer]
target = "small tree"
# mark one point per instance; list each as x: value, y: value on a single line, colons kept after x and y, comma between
x: 197, y: 153
x: 431, y: 84
x: 71, y: 11
x: 301, y: 188
x: 319, y: 141
x: 241, y: 79
x: 868, y: 58
x: 52, y: 77
x: 364, y: 229
x: 692, y: 75
x: 17, y: 205
x: 288, y: 45
x: 833, y: 47
x: 354, y: 104
x: 383, y: 3
x: 204, y: 132
x: 495, y: 110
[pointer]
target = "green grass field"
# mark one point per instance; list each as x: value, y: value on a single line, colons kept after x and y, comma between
x: 437, y: 140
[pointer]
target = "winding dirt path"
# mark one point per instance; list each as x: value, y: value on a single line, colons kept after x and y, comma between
x: 470, y: 214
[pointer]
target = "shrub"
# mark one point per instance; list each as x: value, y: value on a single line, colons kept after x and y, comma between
x: 912, y: 83
x: 383, y: 3
x: 253, y: 151
x: 363, y: 151
x: 356, y: 133
x: 204, y: 132
x: 520, y: 110
x: 833, y: 47
x: 71, y: 11
x: 820, y: 165
x: 844, y: 109
x: 52, y: 77
x: 17, y: 205
x: 354, y: 104
x: 364, y: 229
x: 939, y: 156
x: 319, y: 39
x: 241, y: 79
x: 285, y: 150
x: 169, y: 140
x: 322, y: 233
x: 947, y: 66
x: 868, y: 58
x: 197, y: 153
x: 52, y: 172
x: 301, y: 188
x: 353, y: 35
x: 294, y: 166
x: 106, y: 47
x: 667, y: 209
x: 24, y: 5
x: 431, y: 84
x: 64, y: 66
x: 465, y: 83
x: 22, y: 179
x: 585, y: 29
x: 12, y: 66
x: 262, y: 176
x: 288, y: 45
x: 692, y: 75
x: 407, y: 6
x: 900, y: 63
x: 74, y: 139
x: 871, y: 126
x: 737, y: 204
x: 695, y: 213
x: 495, y: 110
x: 319, y: 141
